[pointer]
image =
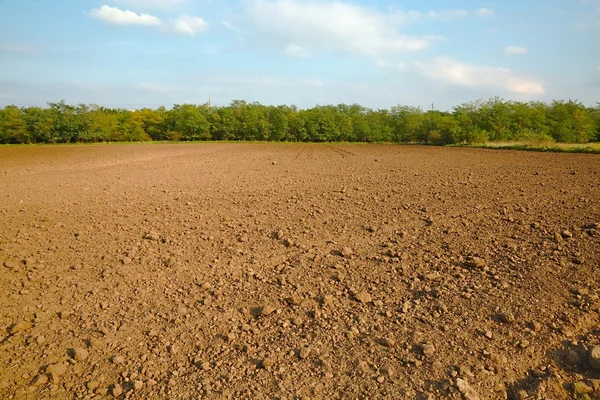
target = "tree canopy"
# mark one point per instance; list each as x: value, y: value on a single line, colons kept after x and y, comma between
x: 474, y: 122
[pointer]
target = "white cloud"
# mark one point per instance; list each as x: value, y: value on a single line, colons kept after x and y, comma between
x: 445, y: 15
x: 294, y: 50
x: 156, y: 88
x: 116, y: 16
x: 484, y: 12
x: 187, y: 25
x: 145, y: 4
x: 231, y: 26
x: 474, y: 76
x: 515, y: 50
x: 333, y: 26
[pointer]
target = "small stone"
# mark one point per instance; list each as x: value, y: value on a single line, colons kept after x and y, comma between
x: 56, y: 369
x: 507, y: 318
x: 206, y: 366
x: 572, y: 357
x: 466, y: 390
x: 92, y: 385
x: 64, y: 314
x: 137, y: 385
x: 297, y: 321
x: 266, y: 310
x: 380, y: 379
x: 40, y: 380
x: 40, y: 339
x: 386, y: 342
x: 295, y: 300
x: 268, y: 362
x: 304, y: 352
x: 363, y: 297
x: 566, y: 234
x: 117, y: 359
x: 116, y: 390
x: 347, y: 252
x: 230, y: 337
x: 102, y: 391
x: 595, y: 357
x: 536, y: 326
x: 328, y: 300
x: 489, y: 334
x: 427, y: 349
x: 152, y: 235
x: 477, y: 262
x: 19, y: 327
x: 78, y: 353
x: 4, y: 384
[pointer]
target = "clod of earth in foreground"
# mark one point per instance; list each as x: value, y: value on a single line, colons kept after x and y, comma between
x: 117, y: 359
x: 566, y: 234
x: 363, y: 297
x: 386, y: 342
x: 78, y: 353
x: 304, y: 352
x: 572, y: 357
x: 116, y: 390
x: 40, y: 380
x: 56, y: 369
x: 266, y: 310
x: 595, y: 357
x: 477, y: 262
x: 347, y: 252
x: 268, y: 362
x: 427, y: 349
x: 19, y: 327
x: 466, y: 390
x: 152, y: 235
x: 507, y: 318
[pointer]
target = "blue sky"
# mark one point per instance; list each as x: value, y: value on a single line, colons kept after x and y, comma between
x: 136, y: 53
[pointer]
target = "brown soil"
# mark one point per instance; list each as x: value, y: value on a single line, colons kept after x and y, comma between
x: 284, y: 271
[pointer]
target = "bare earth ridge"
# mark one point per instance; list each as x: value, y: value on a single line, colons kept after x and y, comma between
x: 295, y: 271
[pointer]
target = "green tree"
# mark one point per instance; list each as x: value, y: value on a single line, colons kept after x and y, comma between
x: 13, y: 127
x: 570, y: 122
x: 153, y: 122
x: 188, y: 122
x: 39, y: 124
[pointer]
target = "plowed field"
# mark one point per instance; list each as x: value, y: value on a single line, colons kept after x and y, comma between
x: 292, y: 271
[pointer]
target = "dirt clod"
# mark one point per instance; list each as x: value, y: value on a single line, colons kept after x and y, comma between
x: 466, y: 390
x: 20, y: 326
x: 594, y: 355
x: 363, y: 297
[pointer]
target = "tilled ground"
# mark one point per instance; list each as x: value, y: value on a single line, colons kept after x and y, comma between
x: 264, y: 271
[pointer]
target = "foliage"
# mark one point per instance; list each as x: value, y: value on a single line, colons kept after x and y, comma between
x: 494, y: 120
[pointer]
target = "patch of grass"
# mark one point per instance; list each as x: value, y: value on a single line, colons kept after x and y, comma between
x: 549, y: 146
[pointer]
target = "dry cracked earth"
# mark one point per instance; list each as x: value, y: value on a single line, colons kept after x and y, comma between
x: 298, y: 271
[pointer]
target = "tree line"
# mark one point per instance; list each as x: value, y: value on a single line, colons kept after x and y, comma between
x: 474, y: 122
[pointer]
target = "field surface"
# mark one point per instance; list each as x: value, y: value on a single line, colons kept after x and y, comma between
x: 292, y: 271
